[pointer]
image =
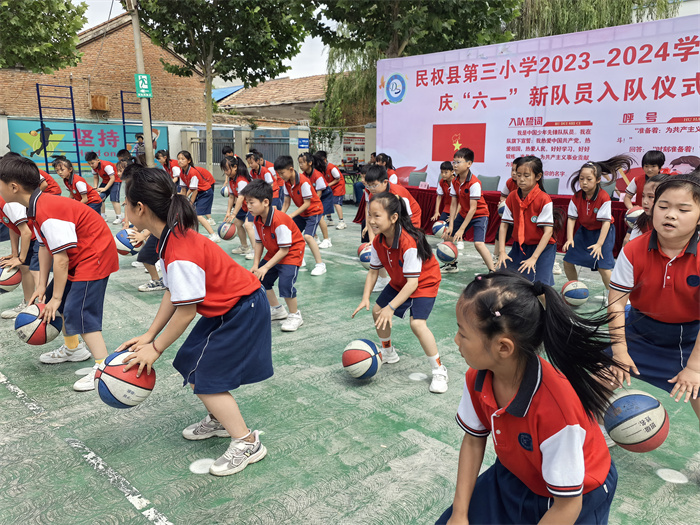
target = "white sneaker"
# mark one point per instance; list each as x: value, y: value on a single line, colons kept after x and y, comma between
x: 206, y: 428
x: 152, y: 286
x: 104, y: 216
x: 341, y: 225
x: 87, y: 383
x: 303, y: 263
x: 249, y: 256
x: 450, y: 268
x: 137, y: 264
x: 12, y: 312
x: 211, y: 222
x: 460, y: 245
x: 325, y: 243
x: 329, y: 221
x: 62, y: 354
x: 389, y: 355
x: 238, y: 456
x: 556, y: 269
x: 380, y: 284
x: 293, y: 322
x: 439, y: 383
x: 241, y: 250
x: 278, y: 313
x: 319, y: 269
x: 118, y: 220
x: 214, y: 237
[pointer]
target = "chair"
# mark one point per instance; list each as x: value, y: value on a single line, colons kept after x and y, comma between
x: 416, y: 177
x: 551, y: 186
x: 489, y: 183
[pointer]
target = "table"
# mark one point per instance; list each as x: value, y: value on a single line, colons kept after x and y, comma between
x: 426, y: 199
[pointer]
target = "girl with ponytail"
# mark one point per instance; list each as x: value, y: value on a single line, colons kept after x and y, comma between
x: 201, y: 279
x: 414, y: 278
x: 552, y: 462
x: 237, y: 178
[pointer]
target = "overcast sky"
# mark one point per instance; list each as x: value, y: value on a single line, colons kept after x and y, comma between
x: 310, y: 61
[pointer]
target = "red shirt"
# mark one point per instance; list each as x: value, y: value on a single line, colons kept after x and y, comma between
x: 333, y: 173
x: 443, y: 189
x: 467, y: 191
x: 197, y: 271
x: 65, y: 225
x: 173, y: 169
x: 510, y: 186
x: 52, y: 187
x: 279, y: 231
x: 106, y: 169
x: 303, y: 190
x: 411, y: 204
x: 235, y: 187
x: 666, y: 289
x: 196, y: 179
x: 538, y: 214
x: 318, y: 181
x: 13, y: 214
x: 265, y: 174
x: 591, y: 213
x: 393, y: 177
x: 401, y: 262
x: 636, y: 188
x: 77, y: 186
x: 544, y: 436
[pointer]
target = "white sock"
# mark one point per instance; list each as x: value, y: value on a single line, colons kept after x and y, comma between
x: 435, y: 361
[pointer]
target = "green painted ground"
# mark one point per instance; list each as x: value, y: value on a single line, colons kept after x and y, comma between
x: 381, y: 452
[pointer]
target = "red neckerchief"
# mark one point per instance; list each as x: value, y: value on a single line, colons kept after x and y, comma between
x: 520, y: 235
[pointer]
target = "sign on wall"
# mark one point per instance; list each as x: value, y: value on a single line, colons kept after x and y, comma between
x: 567, y: 99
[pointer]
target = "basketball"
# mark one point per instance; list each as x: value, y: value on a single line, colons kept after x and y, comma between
x: 121, y: 389
x: 632, y: 215
x: 636, y: 421
x: 225, y: 191
x: 227, y: 230
x: 362, y: 247
x: 33, y: 133
x: 501, y: 208
x: 124, y: 244
x: 575, y: 293
x: 439, y: 228
x: 9, y: 279
x: 366, y: 256
x: 33, y: 330
x: 361, y: 359
x: 446, y: 252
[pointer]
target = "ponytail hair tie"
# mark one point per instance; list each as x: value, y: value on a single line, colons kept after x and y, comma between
x: 497, y: 314
x: 538, y: 288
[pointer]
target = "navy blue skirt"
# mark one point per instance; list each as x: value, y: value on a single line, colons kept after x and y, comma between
x: 580, y: 254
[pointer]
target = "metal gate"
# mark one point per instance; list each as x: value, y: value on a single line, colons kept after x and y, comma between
x: 271, y: 147
x: 56, y: 108
x: 198, y: 149
x: 128, y: 108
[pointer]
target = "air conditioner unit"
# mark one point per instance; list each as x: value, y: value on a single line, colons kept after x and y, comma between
x: 99, y: 102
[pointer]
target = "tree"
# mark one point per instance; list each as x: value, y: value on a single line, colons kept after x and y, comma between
x: 40, y: 35
x: 226, y: 38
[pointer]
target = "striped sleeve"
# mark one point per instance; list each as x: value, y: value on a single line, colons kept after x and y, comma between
x: 16, y: 213
x: 187, y: 283
x: 507, y: 214
x: 284, y: 236
x: 81, y: 186
x: 336, y: 173
x: 546, y: 216
x: 374, y: 262
x: 439, y: 189
x: 412, y: 264
x: 563, y: 466
x: 605, y: 212
x: 194, y: 183
x: 241, y: 184
x: 631, y: 188
x: 467, y: 418
x: 59, y: 235
x: 475, y: 191
x: 306, y: 190
x: 573, y: 210
x: 408, y: 206
x: 622, y: 278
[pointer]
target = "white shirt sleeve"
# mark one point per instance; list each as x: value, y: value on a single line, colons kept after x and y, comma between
x: 284, y: 236
x: 439, y: 189
x: 393, y: 179
x: 336, y: 173
x: 563, y: 466
x: 412, y: 264
x: 467, y: 418
x: 622, y: 278
x: 176, y: 171
x: 631, y: 188
x: 546, y: 216
x: 81, y: 187
x: 453, y: 192
x: 257, y: 236
x: 268, y: 178
x: 60, y: 235
x: 605, y: 212
x: 507, y: 214
x: 241, y: 184
x: 475, y: 191
x: 306, y: 191
x: 374, y: 262
x: 15, y: 212
x: 186, y: 282
x: 194, y: 183
x: 573, y: 210
x: 109, y: 170
x: 320, y: 184
x: 408, y: 206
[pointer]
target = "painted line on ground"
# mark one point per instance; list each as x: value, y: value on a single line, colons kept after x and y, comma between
x: 34, y: 407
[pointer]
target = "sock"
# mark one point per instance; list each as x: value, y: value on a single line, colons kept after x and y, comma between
x: 435, y: 361
x: 100, y: 361
x: 71, y: 341
x: 276, y: 307
x: 386, y: 343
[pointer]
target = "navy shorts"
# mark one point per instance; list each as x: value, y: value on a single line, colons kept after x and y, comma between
x: 543, y: 267
x: 420, y: 306
x: 227, y: 351
x: 241, y: 215
x: 278, y: 202
x: 308, y: 225
x: 204, y: 201
x: 105, y: 194
x: 444, y: 216
x: 338, y: 199
x: 32, y: 259
x: 327, y: 201
x: 114, y: 192
x: 148, y: 254
x: 580, y: 255
x: 500, y: 497
x: 97, y: 206
x: 4, y: 233
x: 478, y: 223
x: 287, y: 274
x: 82, y: 305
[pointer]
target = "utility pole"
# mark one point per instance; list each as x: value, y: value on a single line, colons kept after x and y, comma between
x: 131, y: 7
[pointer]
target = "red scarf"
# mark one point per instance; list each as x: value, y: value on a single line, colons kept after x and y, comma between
x: 520, y: 234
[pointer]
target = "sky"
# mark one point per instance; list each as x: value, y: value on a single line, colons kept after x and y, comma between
x: 310, y: 61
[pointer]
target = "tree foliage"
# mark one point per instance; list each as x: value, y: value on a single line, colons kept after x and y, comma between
x: 40, y: 35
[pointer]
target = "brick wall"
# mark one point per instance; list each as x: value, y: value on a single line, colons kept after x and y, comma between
x: 174, y: 98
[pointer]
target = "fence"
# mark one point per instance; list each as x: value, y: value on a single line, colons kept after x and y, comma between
x: 198, y: 149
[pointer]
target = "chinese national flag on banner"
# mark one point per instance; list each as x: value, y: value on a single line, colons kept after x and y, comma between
x: 448, y: 138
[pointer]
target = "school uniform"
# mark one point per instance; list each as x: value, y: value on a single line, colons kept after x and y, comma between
x: 52, y: 186
x: 401, y: 262
x: 63, y: 225
x: 443, y: 190
x: 300, y: 191
x: 231, y: 344
x: 591, y: 214
x: 333, y: 173
x: 318, y: 181
x: 263, y: 173
x: 195, y: 179
x: 105, y: 170
x: 279, y: 182
x: 528, y: 217
x: 393, y: 177
x: 636, y: 188
x: 511, y: 185
x: 465, y: 192
x: 662, y: 324
x: 77, y: 187
x: 366, y: 195
x: 275, y: 232
x: 235, y: 187
x: 638, y: 232
x: 172, y: 168
x: 412, y: 206
x: 546, y: 445
x: 12, y: 216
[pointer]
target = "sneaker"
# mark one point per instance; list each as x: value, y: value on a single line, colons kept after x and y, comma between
x: 608, y: 440
x: 389, y: 355
x: 329, y: 221
x: 460, y: 245
x: 325, y: 243
x: 249, y: 256
x: 319, y: 269
x: 12, y: 312
x: 62, y: 354
x: 86, y: 383
x: 239, y: 454
x: 214, y: 238
x: 152, y: 286
x: 137, y: 264
x: 206, y: 428
x: 556, y: 269
x: 439, y: 383
x: 293, y: 322
x: 278, y: 313
x: 380, y: 284
x: 104, y: 216
x: 118, y: 220
x: 450, y: 268
x: 341, y: 225
x: 211, y: 222
x: 241, y: 250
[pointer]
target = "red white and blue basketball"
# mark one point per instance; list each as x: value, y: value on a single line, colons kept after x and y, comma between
x: 361, y: 359
x: 636, y: 421
x: 227, y: 230
x: 633, y: 214
x: 575, y: 293
x: 9, y: 279
x: 501, y: 208
x: 366, y: 256
x: 446, y: 252
x: 362, y: 247
x: 33, y: 330
x: 124, y: 245
x: 121, y: 389
x: 225, y: 192
x: 439, y: 228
